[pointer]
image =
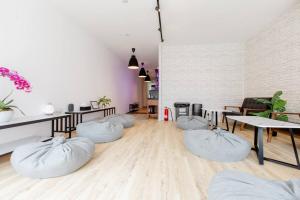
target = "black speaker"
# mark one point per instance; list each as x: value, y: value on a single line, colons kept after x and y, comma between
x: 71, y: 107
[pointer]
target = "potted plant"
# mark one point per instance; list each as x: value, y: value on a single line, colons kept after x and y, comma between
x: 104, y: 101
x: 275, y: 105
x: 6, y: 107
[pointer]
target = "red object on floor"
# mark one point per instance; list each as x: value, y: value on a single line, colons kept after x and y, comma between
x: 166, y: 114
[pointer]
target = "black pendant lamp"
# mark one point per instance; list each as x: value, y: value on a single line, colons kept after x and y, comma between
x: 142, y: 73
x: 133, y: 63
x: 147, y: 79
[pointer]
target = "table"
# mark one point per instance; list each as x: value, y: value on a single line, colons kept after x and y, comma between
x: 78, y: 115
x: 152, y: 108
x: 262, y: 123
x: 60, y: 123
x: 214, y: 115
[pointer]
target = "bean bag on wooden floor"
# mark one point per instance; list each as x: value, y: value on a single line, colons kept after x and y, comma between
x: 217, y: 145
x: 191, y: 123
x: 57, y: 157
x: 233, y: 185
x: 126, y: 120
x: 100, y: 131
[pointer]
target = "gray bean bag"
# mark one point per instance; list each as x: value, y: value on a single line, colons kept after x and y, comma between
x: 191, y: 123
x: 233, y: 185
x: 126, y: 120
x: 100, y: 131
x: 54, y: 158
x: 217, y: 145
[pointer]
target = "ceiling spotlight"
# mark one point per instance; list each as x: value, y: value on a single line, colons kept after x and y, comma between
x: 133, y: 63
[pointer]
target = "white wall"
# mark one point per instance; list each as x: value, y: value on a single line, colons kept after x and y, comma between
x: 209, y: 74
x: 63, y: 63
x: 273, y: 60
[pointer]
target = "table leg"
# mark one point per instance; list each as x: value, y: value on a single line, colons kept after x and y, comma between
x: 70, y: 126
x: 260, y: 138
x: 255, y: 139
x: 294, y: 147
x: 205, y: 114
x: 216, y: 113
x: 77, y: 116
x: 66, y: 124
x: 52, y: 128
x: 80, y: 118
x: 226, y: 120
x: 73, y: 120
x: 234, y: 124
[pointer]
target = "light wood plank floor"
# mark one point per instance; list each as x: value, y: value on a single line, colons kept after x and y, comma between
x: 149, y: 162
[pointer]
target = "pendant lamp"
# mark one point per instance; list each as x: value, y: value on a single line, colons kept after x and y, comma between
x: 147, y: 79
x: 133, y: 63
x: 142, y: 73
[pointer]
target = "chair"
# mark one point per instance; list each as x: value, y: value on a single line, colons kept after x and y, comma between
x: 197, y: 109
x: 249, y: 105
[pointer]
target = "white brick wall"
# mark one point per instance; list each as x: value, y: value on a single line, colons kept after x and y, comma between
x: 223, y: 74
x: 273, y: 60
x: 209, y: 74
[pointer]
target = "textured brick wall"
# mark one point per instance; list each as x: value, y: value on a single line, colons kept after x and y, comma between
x: 273, y: 60
x: 221, y: 74
x: 209, y: 74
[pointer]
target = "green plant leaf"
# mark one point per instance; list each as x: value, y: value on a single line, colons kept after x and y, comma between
x: 3, y: 106
x: 9, y: 102
x: 282, y: 118
x: 265, y: 114
x: 18, y: 109
x: 278, y: 93
x: 276, y: 96
x: 7, y: 96
x: 279, y: 105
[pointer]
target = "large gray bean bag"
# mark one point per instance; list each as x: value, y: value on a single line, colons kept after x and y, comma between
x: 217, y: 145
x: 57, y: 157
x: 100, y: 131
x: 126, y: 120
x: 191, y: 123
x: 233, y: 185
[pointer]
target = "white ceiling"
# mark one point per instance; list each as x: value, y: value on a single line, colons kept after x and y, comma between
x: 218, y: 21
x: 123, y: 24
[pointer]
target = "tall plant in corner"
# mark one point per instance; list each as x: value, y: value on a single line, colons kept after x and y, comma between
x: 275, y: 105
x: 6, y: 107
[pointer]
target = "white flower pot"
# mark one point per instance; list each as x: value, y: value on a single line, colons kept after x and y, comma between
x: 6, y: 116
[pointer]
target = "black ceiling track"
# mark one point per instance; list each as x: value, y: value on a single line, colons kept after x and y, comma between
x: 159, y: 19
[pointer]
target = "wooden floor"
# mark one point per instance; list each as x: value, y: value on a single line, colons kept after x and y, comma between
x: 149, y: 162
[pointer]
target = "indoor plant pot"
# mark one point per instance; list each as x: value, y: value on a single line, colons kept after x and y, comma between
x: 6, y: 115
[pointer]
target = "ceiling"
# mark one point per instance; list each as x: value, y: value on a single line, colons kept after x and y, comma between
x: 123, y: 24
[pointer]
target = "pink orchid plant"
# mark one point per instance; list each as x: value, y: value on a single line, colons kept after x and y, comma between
x: 20, y: 83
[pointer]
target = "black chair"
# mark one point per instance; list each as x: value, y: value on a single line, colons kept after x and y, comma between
x: 197, y: 109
